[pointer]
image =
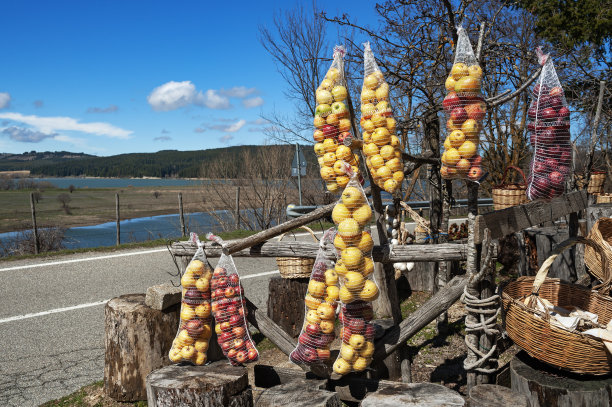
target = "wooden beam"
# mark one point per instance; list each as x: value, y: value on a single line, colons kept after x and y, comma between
x: 413, y: 253
x: 517, y: 218
x: 416, y: 321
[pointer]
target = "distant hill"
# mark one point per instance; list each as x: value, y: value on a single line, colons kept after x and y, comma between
x: 162, y: 164
x: 34, y: 159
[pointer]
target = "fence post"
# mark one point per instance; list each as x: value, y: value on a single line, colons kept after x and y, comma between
x: 181, y: 214
x: 34, y: 228
x: 237, y: 214
x: 118, y: 219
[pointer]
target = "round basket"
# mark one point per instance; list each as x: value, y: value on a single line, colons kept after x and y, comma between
x: 596, y: 182
x: 601, y: 233
x: 604, y: 198
x: 506, y: 194
x: 295, y: 267
x: 531, y: 330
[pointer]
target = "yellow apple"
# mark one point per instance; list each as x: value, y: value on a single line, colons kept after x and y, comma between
x: 319, y: 122
x: 456, y: 138
x: 367, y: 137
x: 391, y: 185
x: 348, y: 353
x: 370, y: 149
x: 175, y: 355
x: 452, y: 156
x: 187, y: 352
x: 330, y: 145
x: 340, y: 268
x: 327, y: 173
x: 368, y: 267
x: 340, y: 213
x: 327, y: 84
x: 383, y: 108
x: 332, y: 119
x: 367, y: 96
x: 319, y: 149
x: 199, y: 358
x: 382, y: 92
x: 398, y: 176
x: 342, y: 367
x: 313, y: 317
x: 447, y: 144
x: 370, y: 81
x: 394, y: 164
x: 316, y: 288
x: 368, y: 110
x: 470, y: 128
x: 201, y: 345
x: 349, y: 229
x: 381, y: 136
x: 361, y: 364
x: 450, y: 83
x: 339, y: 93
x: 327, y: 326
x: 367, y: 351
x: 343, y: 152
x: 325, y: 311
x: 378, y: 120
x: 387, y: 152
x: 352, y: 197
x: 333, y: 74
x: 467, y: 84
x: 351, y: 257
x: 366, y: 243
x: 458, y: 71
x: 196, y: 267
x: 331, y: 277
x: 203, y: 310
x: 475, y: 71
x: 369, y: 291
x: 463, y: 165
x: 345, y: 295
x: 188, y: 280
x: 357, y: 341
x: 324, y: 97
x: 312, y: 302
x: 377, y: 161
x: 363, y: 214
x: 342, y: 180
x: 202, y: 284
x: 187, y: 312
x: 467, y: 149
x: 339, y: 166
x: 333, y: 292
x: 391, y: 124
x: 332, y: 186
x: 384, y: 173
x: 354, y: 281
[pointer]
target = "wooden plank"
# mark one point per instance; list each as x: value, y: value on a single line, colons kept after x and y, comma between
x: 517, y: 218
x: 413, y: 253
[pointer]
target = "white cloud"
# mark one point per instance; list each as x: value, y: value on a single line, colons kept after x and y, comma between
x: 172, y: 95
x: 162, y: 138
x: 53, y: 124
x: 239, y: 92
x: 5, y: 99
x: 226, y: 138
x: 259, y: 121
x: 212, y: 100
x: 231, y: 128
x: 109, y: 109
x: 199, y: 130
x: 252, y: 102
x: 26, y: 135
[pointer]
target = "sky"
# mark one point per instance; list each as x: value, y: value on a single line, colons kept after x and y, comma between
x: 112, y: 77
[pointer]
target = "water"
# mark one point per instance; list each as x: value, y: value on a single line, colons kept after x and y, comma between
x: 118, y: 182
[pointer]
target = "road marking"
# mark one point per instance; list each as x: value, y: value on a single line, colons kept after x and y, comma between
x: 93, y: 304
x: 52, y: 311
x: 110, y: 256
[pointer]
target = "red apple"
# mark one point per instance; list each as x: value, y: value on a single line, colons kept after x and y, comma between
x: 563, y: 113
x: 231, y: 354
x: 225, y: 326
x: 556, y: 178
x: 232, y: 310
x: 313, y: 329
x: 235, y: 320
x: 193, y: 296
x: 548, y: 114
x: 310, y: 355
x: 475, y: 173
x: 532, y: 111
x: 555, y: 102
x: 323, y: 354
x: 238, y: 331
x: 194, y: 327
x: 451, y: 101
x: 476, y: 110
x: 551, y: 163
x: 234, y: 279
x: 226, y: 346
x: 222, y: 282
x: 540, y: 90
x: 241, y: 312
x: 356, y: 325
x: 230, y: 292
x: 241, y: 356
x: 458, y: 115
x: 226, y: 336
x: 329, y: 131
x: 239, y: 343
x: 556, y: 91
x: 343, y: 136
x: 219, y: 293
x: 304, y: 339
x: 252, y: 355
x: 219, y: 271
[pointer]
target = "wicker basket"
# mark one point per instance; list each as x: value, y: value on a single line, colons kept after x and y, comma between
x: 604, y: 198
x: 601, y: 233
x: 596, y: 182
x: 530, y: 329
x: 506, y: 195
x: 295, y: 267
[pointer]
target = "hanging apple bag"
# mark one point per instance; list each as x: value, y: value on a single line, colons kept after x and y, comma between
x: 191, y: 342
x: 332, y: 123
x: 229, y: 310
x: 321, y: 302
x: 381, y: 145
x: 465, y: 109
x: 355, y: 269
x: 549, y: 135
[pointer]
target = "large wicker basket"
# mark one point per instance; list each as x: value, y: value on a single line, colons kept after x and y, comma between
x: 596, y: 182
x: 604, y: 198
x: 507, y: 194
x: 531, y: 330
x: 601, y: 233
x: 295, y: 267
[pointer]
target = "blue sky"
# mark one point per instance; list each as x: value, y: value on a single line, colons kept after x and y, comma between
x: 112, y: 77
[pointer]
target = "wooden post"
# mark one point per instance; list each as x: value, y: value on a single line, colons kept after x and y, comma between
x: 444, y: 266
x: 181, y: 214
x: 602, y: 87
x: 118, y: 219
x: 34, y: 228
x: 237, y: 213
x: 473, y: 265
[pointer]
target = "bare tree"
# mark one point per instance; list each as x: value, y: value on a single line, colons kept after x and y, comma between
x: 64, y: 200
x: 71, y: 188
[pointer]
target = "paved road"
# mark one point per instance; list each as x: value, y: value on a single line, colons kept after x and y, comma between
x: 52, y: 315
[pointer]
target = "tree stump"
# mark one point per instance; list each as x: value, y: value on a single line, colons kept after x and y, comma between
x: 546, y: 386
x: 297, y: 393
x: 216, y: 385
x: 137, y: 341
x: 492, y: 395
x: 286, y: 303
x: 413, y: 394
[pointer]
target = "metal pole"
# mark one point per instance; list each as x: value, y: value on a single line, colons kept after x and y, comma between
x: 181, y: 214
x: 237, y: 214
x: 299, y: 170
x: 34, y: 228
x: 118, y: 222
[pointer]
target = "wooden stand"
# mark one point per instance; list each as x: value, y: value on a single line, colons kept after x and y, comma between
x: 492, y: 395
x: 413, y: 394
x: 137, y: 341
x: 283, y: 308
x: 545, y: 386
x: 216, y: 385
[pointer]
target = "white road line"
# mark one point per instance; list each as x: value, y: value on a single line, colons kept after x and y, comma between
x: 93, y: 304
x: 110, y: 256
x: 52, y: 311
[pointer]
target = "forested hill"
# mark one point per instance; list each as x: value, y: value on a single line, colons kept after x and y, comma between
x: 171, y: 163
x: 33, y: 159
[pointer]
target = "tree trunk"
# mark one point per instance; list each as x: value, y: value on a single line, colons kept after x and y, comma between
x: 545, y: 386
x: 492, y: 395
x: 298, y: 393
x: 413, y: 394
x: 286, y: 303
x: 137, y: 341
x: 216, y: 385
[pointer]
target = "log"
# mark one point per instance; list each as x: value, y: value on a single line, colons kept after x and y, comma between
x: 283, y: 308
x: 492, y: 395
x: 216, y: 385
x: 595, y: 212
x: 414, y: 253
x: 137, y: 340
x: 517, y: 218
x: 297, y: 393
x: 426, y: 313
x: 545, y: 386
x: 413, y: 394
x: 269, y: 376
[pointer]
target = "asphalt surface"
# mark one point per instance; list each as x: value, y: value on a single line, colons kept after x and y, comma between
x: 44, y: 356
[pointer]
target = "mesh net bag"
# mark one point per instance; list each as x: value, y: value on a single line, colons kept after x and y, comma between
x: 355, y: 269
x: 228, y: 307
x: 321, y: 302
x: 191, y: 341
x: 381, y: 145
x: 549, y: 135
x: 332, y: 123
x: 465, y: 108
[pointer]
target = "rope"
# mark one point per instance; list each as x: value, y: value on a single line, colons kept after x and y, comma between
x: 483, y: 308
